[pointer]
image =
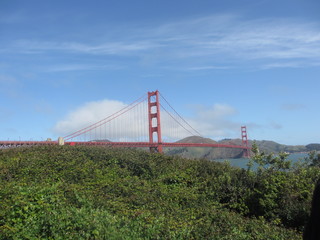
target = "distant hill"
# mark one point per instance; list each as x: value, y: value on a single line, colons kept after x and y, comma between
x: 203, y: 152
x: 313, y: 147
x: 270, y: 146
x: 197, y: 139
x: 101, y: 140
x: 220, y: 153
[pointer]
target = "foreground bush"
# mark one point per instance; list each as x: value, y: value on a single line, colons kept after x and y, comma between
x: 103, y: 193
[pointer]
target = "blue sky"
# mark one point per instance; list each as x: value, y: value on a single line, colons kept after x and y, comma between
x: 221, y: 64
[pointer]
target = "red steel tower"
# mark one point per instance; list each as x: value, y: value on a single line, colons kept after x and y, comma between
x: 244, y: 137
x: 154, y: 122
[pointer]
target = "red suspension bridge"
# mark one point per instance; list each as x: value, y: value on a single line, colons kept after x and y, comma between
x: 144, y: 123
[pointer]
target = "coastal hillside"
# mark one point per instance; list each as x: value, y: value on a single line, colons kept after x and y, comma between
x: 204, y: 152
x: 65, y: 192
x: 313, y: 147
x: 227, y: 153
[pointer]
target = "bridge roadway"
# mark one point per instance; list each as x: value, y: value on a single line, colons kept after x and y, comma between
x: 6, y: 144
x: 25, y: 143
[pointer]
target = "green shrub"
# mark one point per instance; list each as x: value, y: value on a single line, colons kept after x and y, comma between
x: 103, y: 193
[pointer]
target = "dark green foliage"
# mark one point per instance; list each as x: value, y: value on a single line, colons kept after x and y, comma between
x: 104, y: 193
x: 282, y: 193
x: 314, y: 159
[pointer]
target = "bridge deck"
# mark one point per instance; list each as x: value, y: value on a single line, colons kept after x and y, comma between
x: 120, y: 144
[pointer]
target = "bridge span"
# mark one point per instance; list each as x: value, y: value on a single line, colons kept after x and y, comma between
x: 140, y: 119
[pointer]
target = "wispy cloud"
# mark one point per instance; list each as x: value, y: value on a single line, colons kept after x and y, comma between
x: 200, y: 68
x: 8, y: 80
x: 212, y: 42
x: 5, y: 114
x: 11, y: 18
x: 275, y: 125
x: 293, y: 106
x: 286, y: 64
x: 106, y: 48
x: 80, y: 67
x: 43, y: 107
x: 266, y: 39
x: 10, y: 86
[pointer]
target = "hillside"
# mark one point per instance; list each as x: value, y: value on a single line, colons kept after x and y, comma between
x: 196, y: 139
x: 220, y: 153
x: 64, y: 192
x: 203, y: 152
x: 270, y: 146
x: 313, y: 147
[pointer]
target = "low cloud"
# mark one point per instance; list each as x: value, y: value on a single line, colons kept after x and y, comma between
x: 215, y: 122
x: 87, y: 114
x: 117, y: 121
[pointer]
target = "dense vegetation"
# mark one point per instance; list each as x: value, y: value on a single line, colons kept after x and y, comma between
x: 103, y: 193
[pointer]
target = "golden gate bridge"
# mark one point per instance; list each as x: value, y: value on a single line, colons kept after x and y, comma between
x: 145, y: 123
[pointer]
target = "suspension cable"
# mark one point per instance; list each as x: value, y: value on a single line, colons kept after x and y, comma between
x: 175, y: 119
x: 112, y: 116
x: 179, y: 115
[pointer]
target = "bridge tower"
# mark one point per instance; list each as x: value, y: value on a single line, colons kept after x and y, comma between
x: 244, y: 136
x: 154, y: 122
